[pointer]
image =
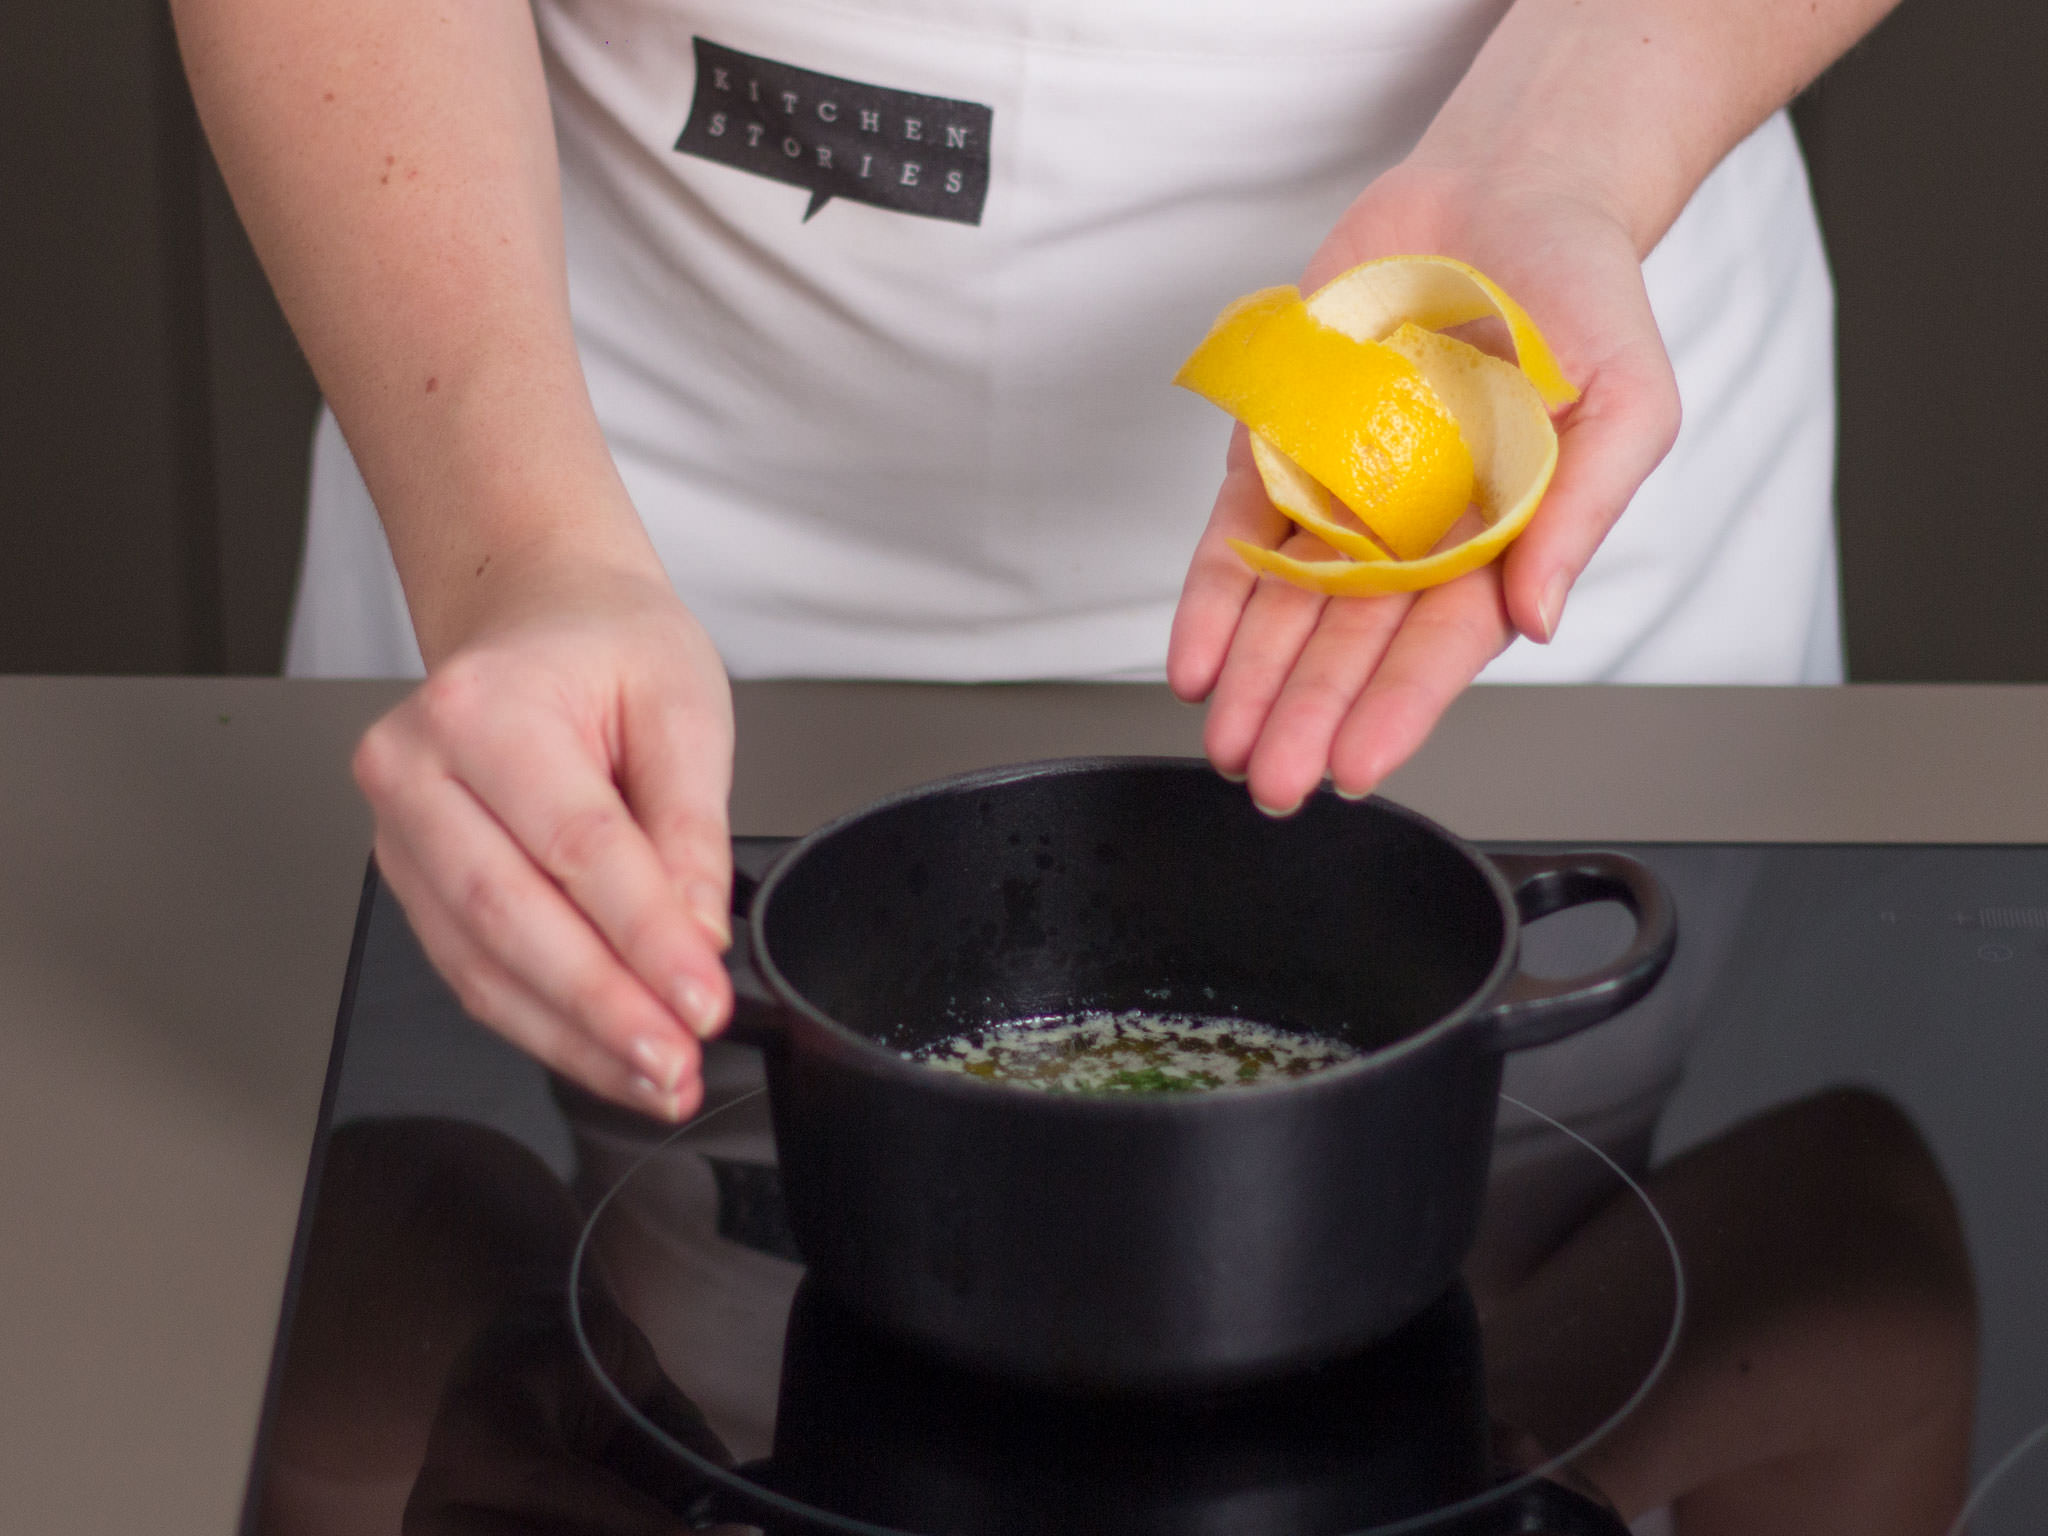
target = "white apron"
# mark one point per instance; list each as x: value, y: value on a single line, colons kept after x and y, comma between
x: 870, y: 443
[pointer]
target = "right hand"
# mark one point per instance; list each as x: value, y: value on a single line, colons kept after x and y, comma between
x: 1300, y: 685
x: 551, y: 812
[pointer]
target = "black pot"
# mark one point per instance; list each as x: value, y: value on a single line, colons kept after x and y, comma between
x: 1154, y: 1241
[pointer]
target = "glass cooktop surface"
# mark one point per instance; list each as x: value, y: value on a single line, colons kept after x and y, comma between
x: 857, y: 1432
x: 1761, y: 1255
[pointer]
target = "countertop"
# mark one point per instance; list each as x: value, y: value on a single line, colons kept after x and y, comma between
x: 182, y: 862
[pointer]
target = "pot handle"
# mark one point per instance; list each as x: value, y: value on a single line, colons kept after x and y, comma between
x: 756, y: 1020
x: 1532, y: 1010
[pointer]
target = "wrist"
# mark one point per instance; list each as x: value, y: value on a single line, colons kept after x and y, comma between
x: 1618, y: 106
x: 1468, y: 166
x: 496, y: 487
x: 501, y: 571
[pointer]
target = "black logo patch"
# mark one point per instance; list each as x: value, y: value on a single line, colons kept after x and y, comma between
x: 839, y: 138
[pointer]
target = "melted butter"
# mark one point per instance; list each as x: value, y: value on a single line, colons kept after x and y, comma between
x: 1133, y: 1053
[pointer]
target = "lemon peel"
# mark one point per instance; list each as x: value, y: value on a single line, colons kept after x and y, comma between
x: 1359, y: 418
x: 1372, y: 300
x: 1362, y: 361
x: 1514, y: 453
x: 1295, y: 492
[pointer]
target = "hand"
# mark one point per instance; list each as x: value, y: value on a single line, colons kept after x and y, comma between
x: 1300, y: 685
x: 551, y: 811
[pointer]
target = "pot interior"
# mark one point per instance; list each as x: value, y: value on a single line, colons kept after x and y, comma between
x: 1139, y: 885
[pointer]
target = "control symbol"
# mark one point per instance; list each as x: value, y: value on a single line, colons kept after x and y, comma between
x: 1994, y: 952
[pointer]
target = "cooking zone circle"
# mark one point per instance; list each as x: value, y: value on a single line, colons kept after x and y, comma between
x: 871, y: 1437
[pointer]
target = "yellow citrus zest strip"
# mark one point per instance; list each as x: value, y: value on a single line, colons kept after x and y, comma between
x: 1223, y: 350
x: 1371, y: 300
x: 1295, y: 493
x: 1514, y: 452
x: 1374, y: 432
x: 1357, y: 417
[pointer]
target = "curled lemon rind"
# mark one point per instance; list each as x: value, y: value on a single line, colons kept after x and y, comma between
x: 1301, y: 498
x: 1207, y: 370
x: 1319, y: 419
x: 1506, y: 425
x: 1356, y: 417
x: 1371, y: 301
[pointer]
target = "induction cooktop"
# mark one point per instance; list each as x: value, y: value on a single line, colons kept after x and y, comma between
x: 1763, y: 1255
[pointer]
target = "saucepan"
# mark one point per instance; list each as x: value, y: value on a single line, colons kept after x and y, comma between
x: 1153, y: 1241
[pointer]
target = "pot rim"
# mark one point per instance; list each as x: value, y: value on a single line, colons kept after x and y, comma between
x: 894, y: 1064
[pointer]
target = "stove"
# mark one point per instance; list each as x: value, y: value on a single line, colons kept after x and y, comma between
x: 1768, y: 1254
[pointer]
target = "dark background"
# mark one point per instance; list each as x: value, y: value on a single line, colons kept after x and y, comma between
x: 154, y: 414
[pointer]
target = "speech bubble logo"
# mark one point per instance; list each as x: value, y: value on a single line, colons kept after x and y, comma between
x: 833, y: 137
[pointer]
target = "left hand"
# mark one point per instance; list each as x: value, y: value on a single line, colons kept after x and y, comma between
x: 1300, y: 685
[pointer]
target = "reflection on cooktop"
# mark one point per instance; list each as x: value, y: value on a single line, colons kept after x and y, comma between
x: 1838, y: 1171
x: 859, y: 1432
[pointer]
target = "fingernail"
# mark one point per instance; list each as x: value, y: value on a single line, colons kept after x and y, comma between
x: 1278, y: 813
x: 663, y: 1104
x: 694, y: 1004
x: 1550, y: 608
x: 1351, y: 794
x: 663, y: 1063
x: 1231, y: 778
x: 710, y: 906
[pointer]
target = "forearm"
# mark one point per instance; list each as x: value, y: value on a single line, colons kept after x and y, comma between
x: 395, y: 166
x: 1630, y: 103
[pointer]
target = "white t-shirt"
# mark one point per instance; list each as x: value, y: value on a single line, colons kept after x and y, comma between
x: 873, y: 438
